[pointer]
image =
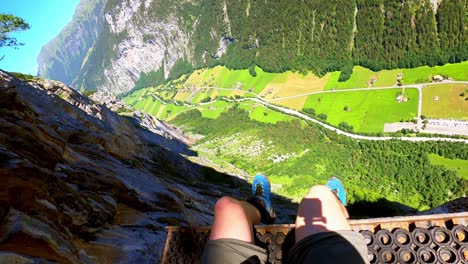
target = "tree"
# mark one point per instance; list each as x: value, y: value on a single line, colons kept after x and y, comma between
x: 252, y: 70
x: 322, y: 116
x: 10, y: 24
x: 345, y: 127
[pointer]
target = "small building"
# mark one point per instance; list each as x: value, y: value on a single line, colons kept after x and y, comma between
x: 437, y: 78
x: 401, y: 99
x: 436, y: 98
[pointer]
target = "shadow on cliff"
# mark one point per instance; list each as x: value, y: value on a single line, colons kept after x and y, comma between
x: 151, y: 138
x: 380, y: 208
x: 214, y: 184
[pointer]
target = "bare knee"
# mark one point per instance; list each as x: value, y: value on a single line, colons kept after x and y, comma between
x: 318, y: 191
x: 227, y: 204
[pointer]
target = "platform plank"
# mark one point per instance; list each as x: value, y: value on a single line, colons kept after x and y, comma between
x: 441, y: 238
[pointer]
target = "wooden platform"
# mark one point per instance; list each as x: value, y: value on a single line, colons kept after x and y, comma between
x: 439, y: 238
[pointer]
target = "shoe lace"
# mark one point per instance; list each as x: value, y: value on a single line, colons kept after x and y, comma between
x: 258, y: 190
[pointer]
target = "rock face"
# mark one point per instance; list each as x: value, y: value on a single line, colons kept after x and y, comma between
x: 81, y: 184
x: 118, y: 40
x: 62, y: 58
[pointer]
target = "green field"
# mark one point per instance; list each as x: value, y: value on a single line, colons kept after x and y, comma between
x: 449, y: 104
x: 458, y: 165
x: 289, y: 83
x: 223, y: 77
x: 263, y: 114
x: 133, y: 97
x: 368, y: 110
x: 213, y: 110
x: 361, y: 75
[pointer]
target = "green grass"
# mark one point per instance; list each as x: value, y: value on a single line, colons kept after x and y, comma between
x: 140, y: 104
x: 134, y: 97
x: 222, y: 77
x: 155, y: 108
x: 369, y: 110
x: 171, y: 111
x: 149, y: 103
x: 227, y: 78
x: 224, y: 93
x: 198, y: 97
x: 263, y: 114
x: 458, y: 165
x: 266, y: 115
x: 361, y: 75
x: 214, y: 110
x: 358, y: 79
x: 450, y: 103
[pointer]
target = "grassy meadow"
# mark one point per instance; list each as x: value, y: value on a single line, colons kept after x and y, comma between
x: 458, y: 165
x: 449, y: 104
x: 361, y: 76
x: 270, y: 85
x: 368, y: 110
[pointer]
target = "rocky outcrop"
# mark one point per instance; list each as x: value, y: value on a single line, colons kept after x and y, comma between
x: 159, y: 43
x: 142, y: 119
x: 110, y: 101
x: 81, y: 184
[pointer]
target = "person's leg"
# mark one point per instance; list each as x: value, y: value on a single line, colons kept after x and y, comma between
x: 322, y: 232
x: 234, y: 219
x: 232, y: 237
x: 320, y: 211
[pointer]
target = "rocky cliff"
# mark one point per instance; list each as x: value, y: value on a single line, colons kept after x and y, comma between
x: 81, y: 184
x: 65, y: 55
x: 126, y: 38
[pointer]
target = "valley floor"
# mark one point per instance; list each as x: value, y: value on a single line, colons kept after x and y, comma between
x: 381, y: 107
x: 300, y: 135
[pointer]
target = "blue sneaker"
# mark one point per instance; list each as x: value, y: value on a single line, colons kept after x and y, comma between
x: 337, y: 188
x: 261, y: 189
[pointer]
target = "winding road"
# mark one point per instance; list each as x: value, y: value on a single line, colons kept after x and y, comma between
x: 292, y: 112
x: 341, y: 132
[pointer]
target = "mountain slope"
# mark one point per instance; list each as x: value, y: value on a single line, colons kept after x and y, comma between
x: 141, y: 37
x: 62, y: 58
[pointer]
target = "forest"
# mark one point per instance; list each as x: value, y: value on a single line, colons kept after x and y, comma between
x: 371, y: 170
x: 324, y: 36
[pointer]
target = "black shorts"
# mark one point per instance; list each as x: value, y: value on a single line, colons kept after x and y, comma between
x: 328, y: 247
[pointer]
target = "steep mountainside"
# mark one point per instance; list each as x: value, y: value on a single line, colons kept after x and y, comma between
x: 80, y: 184
x: 64, y: 56
x: 164, y: 39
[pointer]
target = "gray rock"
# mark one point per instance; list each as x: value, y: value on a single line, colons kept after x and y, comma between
x: 82, y: 184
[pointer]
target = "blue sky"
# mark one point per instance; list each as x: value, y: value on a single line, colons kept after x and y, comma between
x: 46, y: 18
